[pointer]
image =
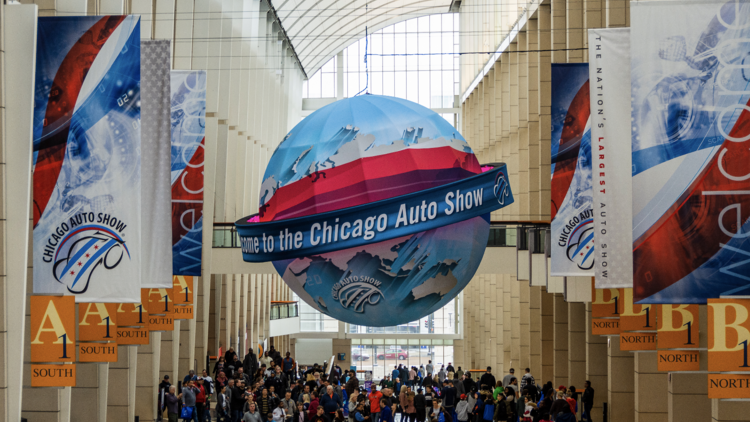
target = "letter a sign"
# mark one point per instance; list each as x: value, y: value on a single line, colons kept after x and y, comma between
x: 53, y: 329
x: 97, y: 321
x: 183, y: 286
x: 728, y: 335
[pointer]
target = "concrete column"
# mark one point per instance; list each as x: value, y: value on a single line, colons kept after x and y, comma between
x: 576, y: 344
x: 650, y: 392
x: 560, y: 341
x: 596, y: 367
x: 559, y: 31
x: 121, y: 387
x: 687, y: 398
x: 226, y: 310
x: 515, y: 322
x: 168, y: 364
x: 544, y: 14
x: 620, y: 368
x: 145, y: 392
x: 525, y: 337
x: 729, y: 411
x: 496, y: 325
x: 535, y: 331
x: 548, y: 336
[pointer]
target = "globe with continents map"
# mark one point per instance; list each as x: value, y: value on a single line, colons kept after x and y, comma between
x: 354, y: 152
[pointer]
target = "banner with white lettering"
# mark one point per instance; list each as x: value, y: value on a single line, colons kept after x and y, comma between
x: 156, y: 156
x: 188, y: 140
x: 690, y: 150
x: 572, y: 224
x: 609, y: 73
x: 87, y: 158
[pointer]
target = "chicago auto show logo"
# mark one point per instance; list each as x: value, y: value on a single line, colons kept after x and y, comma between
x: 357, y: 292
x: 501, y: 188
x: 580, y: 242
x: 82, y: 249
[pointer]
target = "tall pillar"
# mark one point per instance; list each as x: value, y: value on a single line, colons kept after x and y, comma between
x: 515, y: 321
x: 560, y: 340
x: 547, y: 335
x: 650, y: 389
x: 496, y: 326
x: 535, y: 331
x: 168, y: 364
x: 148, y: 370
x: 620, y: 368
x: 596, y: 367
x: 729, y: 411
x: 507, y: 322
x: 576, y: 344
x: 121, y: 385
x: 525, y: 318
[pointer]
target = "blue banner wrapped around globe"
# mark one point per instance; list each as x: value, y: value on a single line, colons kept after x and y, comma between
x: 376, y: 209
x: 87, y: 179
x: 188, y: 141
x: 690, y: 150
x: 572, y: 226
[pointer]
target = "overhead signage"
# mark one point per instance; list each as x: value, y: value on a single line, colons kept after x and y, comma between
x: 97, y: 321
x: 678, y: 327
x: 132, y: 335
x: 53, y: 329
x: 728, y: 335
x: 636, y: 317
x: 183, y: 312
x: 160, y: 301
x: 183, y: 286
x: 678, y: 360
x: 605, y: 326
x: 728, y: 386
x: 98, y: 352
x: 632, y: 341
x: 605, y: 303
x: 54, y: 375
x: 134, y: 314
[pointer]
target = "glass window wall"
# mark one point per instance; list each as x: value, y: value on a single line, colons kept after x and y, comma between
x: 381, y: 355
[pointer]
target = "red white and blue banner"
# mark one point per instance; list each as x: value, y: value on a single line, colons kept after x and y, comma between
x: 156, y: 204
x: 572, y: 226
x: 188, y: 140
x: 609, y: 73
x: 690, y: 84
x: 87, y: 139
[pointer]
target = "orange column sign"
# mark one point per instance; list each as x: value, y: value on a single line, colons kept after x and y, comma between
x: 133, y: 314
x: 637, y: 341
x: 53, y: 329
x: 98, y: 352
x: 53, y: 375
x: 183, y: 312
x: 160, y: 301
x: 132, y: 335
x: 728, y: 386
x: 678, y: 360
x: 605, y: 326
x: 605, y: 302
x: 678, y: 327
x: 183, y: 289
x: 728, y: 335
x: 97, y: 321
x: 636, y: 317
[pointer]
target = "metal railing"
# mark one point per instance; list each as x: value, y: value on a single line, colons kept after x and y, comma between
x: 281, y: 310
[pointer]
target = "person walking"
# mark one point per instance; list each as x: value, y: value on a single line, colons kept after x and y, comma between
x: 374, y: 398
x: 507, y: 378
x: 386, y: 414
x: 449, y: 396
x: 462, y: 409
x: 487, y: 380
x: 172, y: 404
x: 420, y: 405
x: 289, y: 406
x: 189, y: 393
x: 331, y: 402
x: 200, y: 400
x: 588, y: 401
x: 528, y: 380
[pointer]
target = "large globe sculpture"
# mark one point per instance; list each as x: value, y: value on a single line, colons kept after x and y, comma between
x: 357, y: 151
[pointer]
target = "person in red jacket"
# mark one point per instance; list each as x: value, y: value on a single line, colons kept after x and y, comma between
x: 312, y: 411
x: 200, y: 400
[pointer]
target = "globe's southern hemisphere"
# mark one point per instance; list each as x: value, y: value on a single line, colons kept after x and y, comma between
x: 361, y: 150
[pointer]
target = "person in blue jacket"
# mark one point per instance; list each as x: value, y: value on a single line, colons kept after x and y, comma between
x: 386, y: 414
x: 330, y: 402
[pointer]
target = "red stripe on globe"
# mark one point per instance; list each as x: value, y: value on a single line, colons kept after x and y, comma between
x: 354, y: 152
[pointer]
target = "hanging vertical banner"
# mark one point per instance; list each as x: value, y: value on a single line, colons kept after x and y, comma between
x: 690, y: 150
x: 97, y: 321
x: 156, y: 207
x: 678, y: 327
x: 53, y: 329
x: 572, y: 224
x: 188, y: 140
x: 728, y: 335
x: 609, y: 73
x: 87, y: 181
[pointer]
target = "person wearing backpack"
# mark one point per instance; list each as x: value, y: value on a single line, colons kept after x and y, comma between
x: 488, y: 413
x: 528, y: 380
x: 462, y: 409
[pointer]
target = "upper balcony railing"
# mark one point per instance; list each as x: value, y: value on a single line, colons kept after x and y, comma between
x: 284, y: 309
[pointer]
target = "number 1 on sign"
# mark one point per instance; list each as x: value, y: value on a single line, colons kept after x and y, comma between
x: 107, y: 336
x: 65, y: 348
x: 689, y: 331
x: 166, y: 303
x: 186, y: 294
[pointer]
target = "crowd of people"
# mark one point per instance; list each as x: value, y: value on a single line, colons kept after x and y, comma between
x: 276, y: 389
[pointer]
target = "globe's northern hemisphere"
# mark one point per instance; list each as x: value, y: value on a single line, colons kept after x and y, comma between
x: 361, y: 150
